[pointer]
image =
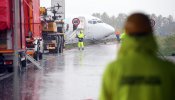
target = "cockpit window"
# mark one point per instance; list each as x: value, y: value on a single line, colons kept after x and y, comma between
x: 99, y: 21
x: 94, y: 22
x: 90, y: 22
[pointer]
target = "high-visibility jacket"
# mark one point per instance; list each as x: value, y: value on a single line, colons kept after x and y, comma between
x: 138, y: 73
x: 81, y: 37
x: 122, y: 36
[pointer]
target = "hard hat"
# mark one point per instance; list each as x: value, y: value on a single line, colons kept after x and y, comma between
x: 138, y: 24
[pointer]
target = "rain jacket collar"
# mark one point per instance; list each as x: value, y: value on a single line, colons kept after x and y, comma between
x: 138, y: 45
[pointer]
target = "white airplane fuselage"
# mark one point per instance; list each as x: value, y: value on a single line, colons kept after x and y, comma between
x: 93, y: 28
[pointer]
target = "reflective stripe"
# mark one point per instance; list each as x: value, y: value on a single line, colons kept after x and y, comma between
x: 141, y: 80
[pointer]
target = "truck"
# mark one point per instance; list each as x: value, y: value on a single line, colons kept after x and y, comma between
x: 53, y: 33
x: 33, y: 31
x: 53, y: 39
x: 28, y: 31
x: 7, y: 36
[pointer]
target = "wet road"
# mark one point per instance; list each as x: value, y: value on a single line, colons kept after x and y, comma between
x: 74, y: 75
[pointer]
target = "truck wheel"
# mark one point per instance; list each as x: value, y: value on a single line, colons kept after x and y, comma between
x: 2, y: 67
x: 40, y: 56
x: 24, y: 63
x: 20, y: 67
x: 61, y: 49
x: 61, y: 45
x: 3, y: 70
x: 36, y: 56
x: 51, y: 51
x: 56, y: 50
x: 57, y: 47
x: 10, y: 69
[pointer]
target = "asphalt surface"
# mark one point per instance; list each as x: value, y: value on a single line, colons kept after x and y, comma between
x: 73, y: 75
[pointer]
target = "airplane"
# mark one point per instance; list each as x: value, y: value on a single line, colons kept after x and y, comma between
x: 58, y: 6
x: 93, y: 28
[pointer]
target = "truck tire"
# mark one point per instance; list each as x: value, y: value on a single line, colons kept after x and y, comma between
x: 20, y: 65
x: 10, y: 69
x: 2, y: 70
x: 51, y: 51
x: 61, y: 49
x: 24, y: 63
x: 35, y: 56
x: 61, y: 44
x: 40, y: 56
x: 56, y: 50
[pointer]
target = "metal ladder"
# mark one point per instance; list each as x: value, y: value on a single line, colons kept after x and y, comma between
x: 72, y: 36
x: 36, y: 63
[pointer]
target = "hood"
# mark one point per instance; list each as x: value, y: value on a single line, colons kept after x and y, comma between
x: 138, y: 45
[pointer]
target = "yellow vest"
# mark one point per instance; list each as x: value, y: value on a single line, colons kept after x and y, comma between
x: 81, y: 35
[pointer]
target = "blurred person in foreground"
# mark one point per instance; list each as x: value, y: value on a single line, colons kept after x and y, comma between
x: 138, y: 73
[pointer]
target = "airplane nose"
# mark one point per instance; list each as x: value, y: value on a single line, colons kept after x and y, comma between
x: 109, y: 30
x: 102, y: 30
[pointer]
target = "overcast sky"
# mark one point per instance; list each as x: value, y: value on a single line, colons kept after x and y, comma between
x: 114, y: 7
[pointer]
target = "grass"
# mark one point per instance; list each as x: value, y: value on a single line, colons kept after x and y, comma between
x: 166, y: 44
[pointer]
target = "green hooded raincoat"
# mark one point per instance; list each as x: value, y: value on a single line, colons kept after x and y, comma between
x: 138, y: 74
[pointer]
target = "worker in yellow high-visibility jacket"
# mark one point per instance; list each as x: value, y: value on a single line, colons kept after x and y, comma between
x: 122, y: 36
x: 80, y: 37
x: 138, y: 73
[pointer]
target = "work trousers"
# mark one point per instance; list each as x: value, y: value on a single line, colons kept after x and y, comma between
x: 81, y: 44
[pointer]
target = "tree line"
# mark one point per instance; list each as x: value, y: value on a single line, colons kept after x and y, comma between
x: 163, y: 25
